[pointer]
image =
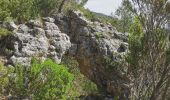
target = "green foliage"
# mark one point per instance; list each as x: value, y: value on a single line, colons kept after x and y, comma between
x: 45, y: 81
x: 115, y: 63
x: 89, y: 87
x: 46, y: 7
x: 3, y: 79
x: 71, y: 5
x: 4, y: 32
x: 16, y: 9
x: 125, y: 16
x: 23, y: 10
x: 110, y: 64
x: 99, y: 35
x: 42, y: 81
x: 135, y: 45
x: 88, y: 14
x: 4, y: 11
x: 147, y: 57
x: 72, y: 65
x: 81, y: 85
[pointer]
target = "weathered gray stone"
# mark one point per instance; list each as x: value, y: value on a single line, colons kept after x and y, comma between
x: 50, y: 26
x: 23, y: 28
x: 49, y: 19
x: 35, y: 23
x: 12, y: 26
x: 33, y: 40
x: 92, y: 42
x: 25, y: 61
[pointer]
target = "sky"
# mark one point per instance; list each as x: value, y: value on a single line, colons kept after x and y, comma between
x: 103, y: 6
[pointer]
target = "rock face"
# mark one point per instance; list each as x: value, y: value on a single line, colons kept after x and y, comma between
x: 37, y: 39
x: 92, y: 44
x: 96, y: 46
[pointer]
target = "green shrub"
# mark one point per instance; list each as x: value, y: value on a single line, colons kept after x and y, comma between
x: 88, y: 13
x: 81, y: 84
x: 46, y: 7
x: 23, y: 10
x: 42, y: 81
x: 4, y: 32
x: 135, y: 41
x: 20, y: 10
x: 72, y: 5
x: 99, y: 35
x: 3, y: 79
x: 89, y: 87
x: 4, y: 11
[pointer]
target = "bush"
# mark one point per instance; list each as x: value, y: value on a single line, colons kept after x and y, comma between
x: 135, y: 41
x: 42, y: 81
x: 4, y: 10
x: 23, y: 10
x: 72, y: 5
x: 81, y: 84
x: 20, y: 10
x: 45, y: 81
x: 4, y: 32
x: 3, y: 79
x: 46, y: 7
x: 88, y: 13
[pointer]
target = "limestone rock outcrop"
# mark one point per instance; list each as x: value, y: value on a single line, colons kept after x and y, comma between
x: 92, y: 44
x: 97, y: 47
x: 36, y: 39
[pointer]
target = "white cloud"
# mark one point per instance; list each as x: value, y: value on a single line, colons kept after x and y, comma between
x: 103, y: 6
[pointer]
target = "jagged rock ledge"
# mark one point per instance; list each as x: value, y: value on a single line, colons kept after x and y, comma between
x: 36, y: 38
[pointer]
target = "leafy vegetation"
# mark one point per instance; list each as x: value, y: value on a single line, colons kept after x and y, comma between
x: 148, y: 57
x: 124, y: 22
x: 16, y: 9
x: 4, y: 32
x: 99, y: 35
x: 23, y: 10
x: 46, y: 7
x: 46, y: 80
x: 81, y: 85
x: 3, y: 79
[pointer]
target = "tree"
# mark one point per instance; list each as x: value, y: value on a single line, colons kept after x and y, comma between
x: 149, y: 52
x: 125, y: 16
